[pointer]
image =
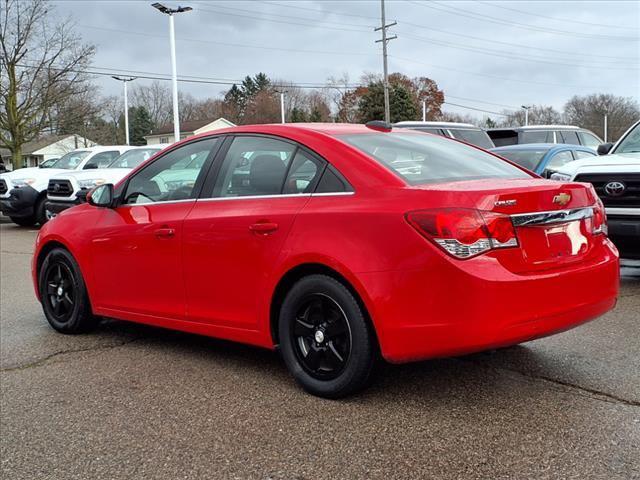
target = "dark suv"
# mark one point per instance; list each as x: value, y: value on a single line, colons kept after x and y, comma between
x: 544, y: 134
x: 462, y: 131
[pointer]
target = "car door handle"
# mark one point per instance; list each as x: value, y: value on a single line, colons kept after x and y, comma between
x: 165, y: 233
x: 264, y: 228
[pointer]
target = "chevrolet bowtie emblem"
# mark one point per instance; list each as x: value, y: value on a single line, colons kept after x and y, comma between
x: 562, y: 199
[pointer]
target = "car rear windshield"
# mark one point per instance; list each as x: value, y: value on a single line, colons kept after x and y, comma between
x: 474, y: 137
x: 133, y: 158
x: 420, y: 159
x: 529, y: 159
x: 72, y: 159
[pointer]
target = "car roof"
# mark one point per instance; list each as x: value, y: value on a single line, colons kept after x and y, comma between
x: 436, y: 124
x: 540, y: 146
x: 536, y: 127
x: 281, y: 128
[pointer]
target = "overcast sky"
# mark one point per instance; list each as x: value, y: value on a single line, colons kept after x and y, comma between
x: 484, y: 54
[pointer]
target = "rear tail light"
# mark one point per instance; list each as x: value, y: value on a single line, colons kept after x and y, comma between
x: 464, y: 232
x: 599, y: 219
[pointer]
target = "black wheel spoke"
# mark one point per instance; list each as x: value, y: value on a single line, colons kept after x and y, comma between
x: 51, y: 288
x: 313, y: 358
x: 57, y: 306
x: 66, y: 299
x: 334, y: 358
x: 303, y: 329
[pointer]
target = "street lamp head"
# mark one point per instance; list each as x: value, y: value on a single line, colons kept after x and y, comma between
x: 170, y: 11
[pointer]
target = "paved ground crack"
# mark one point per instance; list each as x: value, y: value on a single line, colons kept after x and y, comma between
x: 16, y: 253
x: 576, y: 389
x: 42, y: 361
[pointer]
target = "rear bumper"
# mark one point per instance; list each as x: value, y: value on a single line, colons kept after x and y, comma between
x: 624, y: 231
x: 20, y: 203
x: 484, y: 306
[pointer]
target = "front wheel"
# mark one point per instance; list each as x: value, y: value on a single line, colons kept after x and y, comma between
x: 63, y: 294
x: 326, y: 341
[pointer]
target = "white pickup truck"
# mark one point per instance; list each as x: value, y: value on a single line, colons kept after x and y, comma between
x: 615, y: 175
x: 23, y: 192
x: 67, y: 189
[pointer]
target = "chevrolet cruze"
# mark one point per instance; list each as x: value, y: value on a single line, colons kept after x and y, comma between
x: 336, y: 244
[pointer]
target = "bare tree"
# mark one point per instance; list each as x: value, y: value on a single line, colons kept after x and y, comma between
x: 538, y: 115
x: 589, y: 111
x: 41, y: 65
x: 156, y: 98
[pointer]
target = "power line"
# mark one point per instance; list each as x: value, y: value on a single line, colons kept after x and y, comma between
x: 476, y: 109
x: 404, y: 22
x: 499, y: 53
x: 451, y: 10
x: 316, y: 10
x: 488, y: 75
x: 548, y: 17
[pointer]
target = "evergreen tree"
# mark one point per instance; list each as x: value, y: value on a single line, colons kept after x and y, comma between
x: 298, y: 115
x: 140, y: 124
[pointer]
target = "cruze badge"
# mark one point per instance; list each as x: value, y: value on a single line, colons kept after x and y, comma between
x: 562, y: 199
x: 615, y: 189
x: 505, y: 203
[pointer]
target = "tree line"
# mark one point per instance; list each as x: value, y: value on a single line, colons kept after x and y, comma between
x: 43, y: 91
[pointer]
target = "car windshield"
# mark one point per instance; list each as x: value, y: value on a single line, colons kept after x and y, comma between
x: 133, y: 158
x: 478, y: 138
x: 529, y: 159
x: 72, y: 159
x: 630, y: 143
x: 420, y: 159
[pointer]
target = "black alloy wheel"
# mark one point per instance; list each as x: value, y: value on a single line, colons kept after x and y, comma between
x: 325, y: 339
x: 63, y: 293
x: 322, y: 336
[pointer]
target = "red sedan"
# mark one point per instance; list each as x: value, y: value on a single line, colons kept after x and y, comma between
x: 335, y: 244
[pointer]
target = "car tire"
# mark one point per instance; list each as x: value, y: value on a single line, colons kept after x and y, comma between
x: 40, y: 211
x: 24, y: 221
x: 326, y: 341
x: 63, y: 294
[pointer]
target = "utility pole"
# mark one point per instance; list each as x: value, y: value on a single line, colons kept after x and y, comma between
x: 384, y: 40
x: 124, y: 81
x: 526, y: 114
x: 424, y: 110
x: 174, y: 69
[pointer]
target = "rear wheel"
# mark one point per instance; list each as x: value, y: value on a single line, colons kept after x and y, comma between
x: 63, y: 294
x: 326, y: 341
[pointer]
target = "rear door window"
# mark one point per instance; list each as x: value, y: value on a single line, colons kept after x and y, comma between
x: 536, y: 136
x: 559, y: 159
x: 254, y: 166
x: 478, y: 138
x: 303, y: 174
x: 568, y: 136
x: 582, y: 154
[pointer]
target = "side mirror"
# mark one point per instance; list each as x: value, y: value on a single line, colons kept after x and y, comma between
x: 90, y: 166
x: 101, y: 196
x: 604, y: 148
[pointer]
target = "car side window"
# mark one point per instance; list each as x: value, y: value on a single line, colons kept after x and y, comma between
x: 254, y: 166
x: 536, y: 136
x: 171, y: 177
x: 582, y: 154
x: 589, y: 140
x: 568, y: 136
x: 560, y: 159
x: 304, y: 172
x: 332, y: 182
x: 102, y: 159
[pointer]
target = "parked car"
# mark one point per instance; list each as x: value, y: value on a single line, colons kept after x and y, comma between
x: 70, y: 188
x: 23, y: 192
x: 462, y: 131
x: 543, y: 158
x: 544, y: 134
x: 616, y: 179
x: 351, y: 260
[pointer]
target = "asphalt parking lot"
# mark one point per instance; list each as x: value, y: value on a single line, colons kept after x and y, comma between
x: 135, y: 402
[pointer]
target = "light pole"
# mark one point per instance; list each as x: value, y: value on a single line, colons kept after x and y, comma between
x: 424, y: 110
x: 124, y: 81
x: 281, y: 106
x: 385, y: 39
x: 526, y: 114
x: 174, y: 72
x: 605, y: 127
